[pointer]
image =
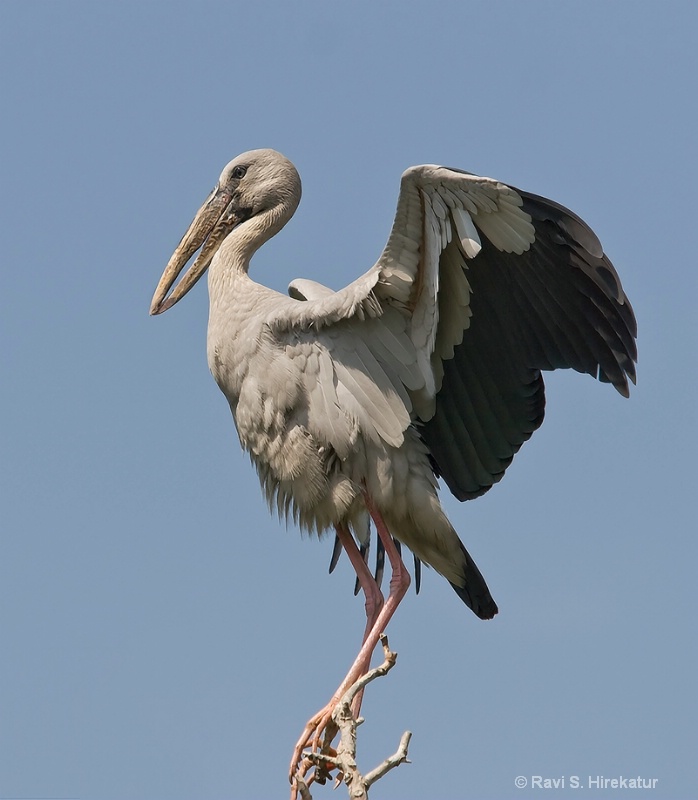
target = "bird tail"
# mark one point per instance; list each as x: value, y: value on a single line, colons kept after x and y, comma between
x: 473, y: 591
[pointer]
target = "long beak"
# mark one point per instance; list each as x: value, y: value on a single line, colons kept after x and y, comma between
x: 212, y: 223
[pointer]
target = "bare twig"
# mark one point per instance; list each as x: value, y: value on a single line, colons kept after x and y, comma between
x: 344, y: 761
x: 399, y: 757
x: 302, y: 788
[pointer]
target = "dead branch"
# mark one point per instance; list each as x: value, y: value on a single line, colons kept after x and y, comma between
x: 344, y: 759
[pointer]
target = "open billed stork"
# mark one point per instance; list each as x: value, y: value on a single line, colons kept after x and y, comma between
x: 352, y: 403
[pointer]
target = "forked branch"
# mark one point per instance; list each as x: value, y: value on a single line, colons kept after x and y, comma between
x: 344, y: 759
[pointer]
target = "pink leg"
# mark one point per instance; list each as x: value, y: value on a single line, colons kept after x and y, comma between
x: 374, y: 603
x: 399, y: 584
x: 376, y: 624
x: 373, y: 595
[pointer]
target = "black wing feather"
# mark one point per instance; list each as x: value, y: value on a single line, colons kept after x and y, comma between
x: 558, y: 305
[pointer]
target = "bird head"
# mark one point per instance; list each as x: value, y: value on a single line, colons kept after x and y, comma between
x: 259, y: 183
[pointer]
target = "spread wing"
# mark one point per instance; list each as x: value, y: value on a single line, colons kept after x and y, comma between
x: 479, y: 288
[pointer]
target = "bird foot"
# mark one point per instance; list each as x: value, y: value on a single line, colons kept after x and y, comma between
x: 316, y: 738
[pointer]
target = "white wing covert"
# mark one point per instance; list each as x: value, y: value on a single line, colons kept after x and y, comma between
x: 480, y: 286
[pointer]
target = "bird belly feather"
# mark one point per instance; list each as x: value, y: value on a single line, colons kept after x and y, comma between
x: 314, y: 456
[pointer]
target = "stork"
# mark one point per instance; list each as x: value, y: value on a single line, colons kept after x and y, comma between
x: 353, y: 403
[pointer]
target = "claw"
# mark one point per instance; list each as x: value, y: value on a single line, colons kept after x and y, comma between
x: 319, y: 757
x: 320, y: 726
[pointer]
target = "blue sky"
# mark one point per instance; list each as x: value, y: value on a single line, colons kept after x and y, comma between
x: 162, y: 635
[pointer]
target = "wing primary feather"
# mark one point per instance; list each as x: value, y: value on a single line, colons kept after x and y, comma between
x: 571, y: 304
x: 555, y: 303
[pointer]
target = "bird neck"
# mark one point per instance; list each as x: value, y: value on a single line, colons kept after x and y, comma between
x: 242, y: 242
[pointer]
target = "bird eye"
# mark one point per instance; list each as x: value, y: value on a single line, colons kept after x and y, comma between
x: 239, y: 172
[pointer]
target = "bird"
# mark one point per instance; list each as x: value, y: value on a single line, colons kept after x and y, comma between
x: 354, y: 404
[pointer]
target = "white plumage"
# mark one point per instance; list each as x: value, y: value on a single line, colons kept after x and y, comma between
x: 353, y: 402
